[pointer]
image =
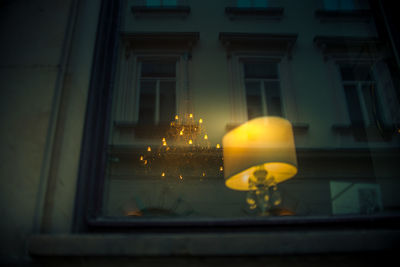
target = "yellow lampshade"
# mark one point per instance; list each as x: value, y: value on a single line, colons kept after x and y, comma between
x: 266, y: 141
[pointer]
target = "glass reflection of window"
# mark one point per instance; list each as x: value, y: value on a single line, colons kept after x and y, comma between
x: 252, y: 3
x: 262, y: 87
x: 157, y: 92
x: 361, y: 95
x: 161, y: 2
x: 339, y: 4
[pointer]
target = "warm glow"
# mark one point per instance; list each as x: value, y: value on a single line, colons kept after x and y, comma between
x: 163, y: 174
x: 218, y: 146
x: 205, y: 137
x: 148, y: 148
x: 190, y: 142
x: 266, y: 141
x: 200, y: 121
x: 164, y: 143
x: 181, y: 132
x: 191, y: 115
x: 163, y: 139
x: 176, y: 117
x: 141, y: 158
x: 221, y: 168
x: 180, y: 177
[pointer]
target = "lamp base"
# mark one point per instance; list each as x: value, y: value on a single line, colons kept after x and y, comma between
x: 263, y: 192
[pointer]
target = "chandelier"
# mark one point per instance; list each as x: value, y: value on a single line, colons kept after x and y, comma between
x: 185, y: 151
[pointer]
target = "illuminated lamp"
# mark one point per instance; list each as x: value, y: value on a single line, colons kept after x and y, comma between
x: 258, y: 155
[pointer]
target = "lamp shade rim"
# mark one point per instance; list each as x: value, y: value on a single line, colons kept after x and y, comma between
x: 280, y: 171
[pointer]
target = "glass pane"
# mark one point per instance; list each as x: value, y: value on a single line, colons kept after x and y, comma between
x: 273, y: 98
x: 261, y: 70
x: 167, y: 102
x: 147, y: 102
x: 347, y: 4
x: 153, y: 2
x: 331, y: 4
x: 260, y: 3
x: 356, y: 72
x: 372, y: 106
x: 169, y: 2
x: 244, y: 3
x: 253, y: 100
x: 158, y: 69
x: 354, y: 105
x: 339, y: 89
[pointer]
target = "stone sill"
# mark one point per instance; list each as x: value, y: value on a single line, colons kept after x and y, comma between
x: 362, y: 15
x: 214, y: 244
x: 174, y: 11
x: 274, y: 13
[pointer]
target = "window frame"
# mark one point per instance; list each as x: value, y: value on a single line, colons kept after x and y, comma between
x: 378, y: 130
x: 91, y: 175
x: 245, y: 60
x: 367, y: 121
x: 158, y: 80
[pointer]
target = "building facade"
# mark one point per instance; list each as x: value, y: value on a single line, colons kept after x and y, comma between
x: 122, y: 108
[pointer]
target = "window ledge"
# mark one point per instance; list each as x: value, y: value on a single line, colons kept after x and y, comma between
x: 280, y: 44
x: 362, y: 133
x: 345, y: 46
x: 174, y: 11
x: 297, y: 127
x: 163, y: 40
x: 273, y: 13
x: 143, y: 131
x: 215, y: 244
x: 361, y: 15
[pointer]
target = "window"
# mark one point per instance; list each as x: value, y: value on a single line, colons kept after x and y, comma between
x: 259, y: 66
x: 252, y: 3
x: 339, y: 4
x: 262, y: 88
x: 157, y: 91
x: 147, y: 178
x: 158, y: 3
x: 361, y: 94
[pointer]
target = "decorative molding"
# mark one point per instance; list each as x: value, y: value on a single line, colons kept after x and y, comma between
x: 278, y: 43
x: 344, y: 46
x: 160, y: 40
